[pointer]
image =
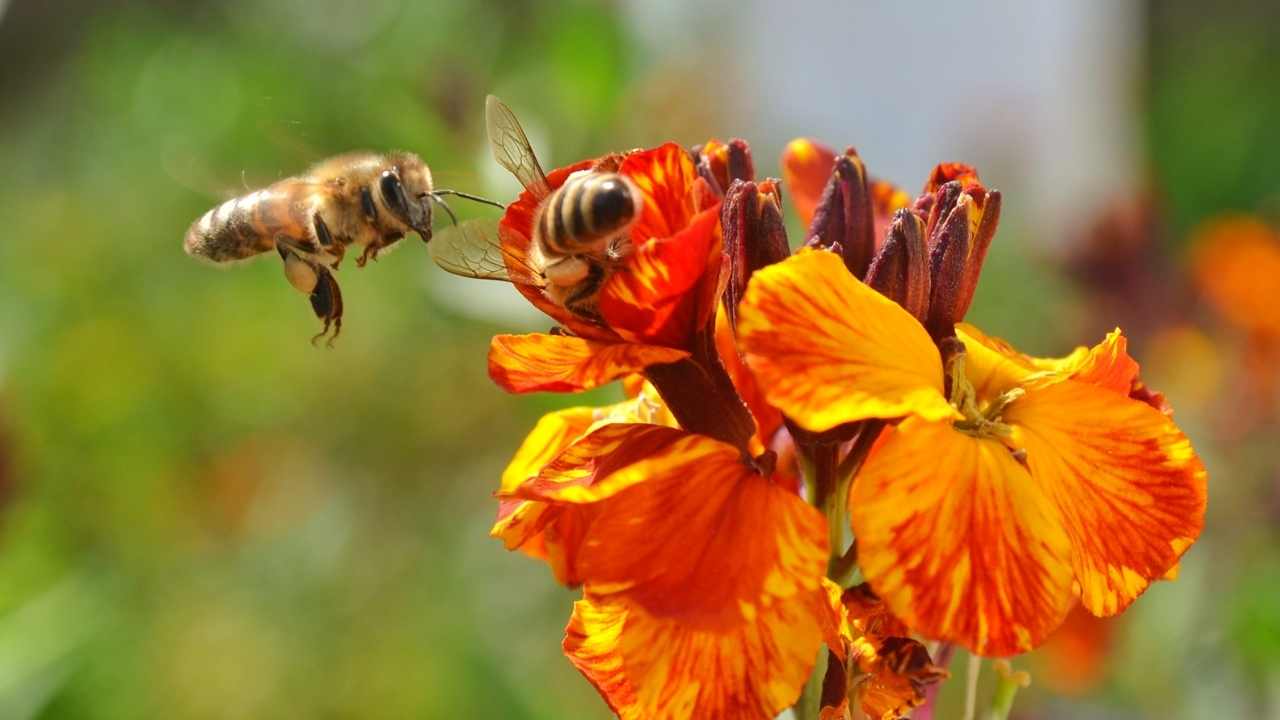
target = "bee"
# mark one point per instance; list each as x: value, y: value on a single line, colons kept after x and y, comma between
x: 365, y: 199
x: 580, y: 229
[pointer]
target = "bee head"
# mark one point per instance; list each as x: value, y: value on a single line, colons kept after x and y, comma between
x: 405, y: 189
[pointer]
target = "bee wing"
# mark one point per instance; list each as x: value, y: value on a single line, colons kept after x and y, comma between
x: 511, y: 147
x: 473, y: 248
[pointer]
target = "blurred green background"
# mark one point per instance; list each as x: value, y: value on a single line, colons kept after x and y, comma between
x: 206, y: 517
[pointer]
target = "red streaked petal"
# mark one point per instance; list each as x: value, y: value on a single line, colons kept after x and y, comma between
x: 1129, y: 487
x: 651, y: 298
x: 561, y: 363
x: 663, y: 668
x: 828, y: 350
x: 964, y: 547
x: 666, y: 177
x: 806, y: 168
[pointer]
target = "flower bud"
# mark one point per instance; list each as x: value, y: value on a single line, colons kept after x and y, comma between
x: 900, y: 271
x: 720, y: 164
x: 962, y: 219
x: 948, y: 258
x: 843, y: 218
x: 754, y: 234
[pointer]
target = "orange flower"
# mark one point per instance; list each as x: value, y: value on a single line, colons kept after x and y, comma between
x: 1236, y: 265
x: 651, y: 306
x: 874, y: 664
x: 701, y: 574
x: 1044, y: 480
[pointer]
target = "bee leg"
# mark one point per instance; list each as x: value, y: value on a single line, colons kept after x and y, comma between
x: 327, y: 243
x: 326, y: 301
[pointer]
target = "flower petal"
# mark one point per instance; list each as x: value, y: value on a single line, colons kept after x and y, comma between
x: 562, y: 363
x: 991, y: 364
x: 554, y: 533
x: 1129, y: 487
x: 828, y: 350
x: 651, y: 298
x: 994, y: 366
x: 662, y: 667
x: 806, y: 168
x: 1106, y: 364
x: 666, y: 176
x: 964, y: 547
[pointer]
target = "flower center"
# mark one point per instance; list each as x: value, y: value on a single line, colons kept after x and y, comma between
x: 982, y: 420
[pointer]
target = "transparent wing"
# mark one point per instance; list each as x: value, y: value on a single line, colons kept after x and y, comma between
x: 511, y: 147
x: 473, y: 248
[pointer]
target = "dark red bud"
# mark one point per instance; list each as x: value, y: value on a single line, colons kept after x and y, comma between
x: 754, y: 235
x: 720, y: 164
x: 900, y: 270
x: 990, y: 211
x: 844, y: 215
x: 950, y: 243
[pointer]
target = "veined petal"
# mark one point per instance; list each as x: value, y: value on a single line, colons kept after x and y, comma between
x: 1106, y: 364
x: 991, y: 364
x: 964, y: 547
x: 554, y: 533
x: 652, y: 297
x: 692, y: 530
x: 562, y: 363
x: 806, y: 168
x: 828, y: 350
x: 663, y: 668
x: 1128, y: 485
x: 520, y: 523
x: 666, y: 176
x: 994, y: 366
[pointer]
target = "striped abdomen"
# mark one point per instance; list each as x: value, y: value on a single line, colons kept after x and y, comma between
x: 583, y: 214
x: 248, y: 225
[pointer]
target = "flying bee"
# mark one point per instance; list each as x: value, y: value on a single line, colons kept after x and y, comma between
x: 364, y: 199
x: 579, y: 232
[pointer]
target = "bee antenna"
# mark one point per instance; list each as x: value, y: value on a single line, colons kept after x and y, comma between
x: 445, y: 205
x: 467, y: 196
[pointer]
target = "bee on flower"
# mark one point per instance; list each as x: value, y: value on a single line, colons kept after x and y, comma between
x: 793, y: 421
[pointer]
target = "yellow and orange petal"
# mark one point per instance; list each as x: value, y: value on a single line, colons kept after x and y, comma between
x: 561, y: 363
x: 1130, y: 489
x: 806, y: 168
x: 554, y: 534
x: 661, y: 667
x: 1236, y: 265
x: 829, y: 350
x: 993, y: 366
x: 964, y: 547
x: 700, y: 575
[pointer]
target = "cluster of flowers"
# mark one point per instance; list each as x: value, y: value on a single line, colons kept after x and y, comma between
x: 800, y: 420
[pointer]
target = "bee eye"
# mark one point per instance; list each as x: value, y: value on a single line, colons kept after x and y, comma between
x: 393, y: 194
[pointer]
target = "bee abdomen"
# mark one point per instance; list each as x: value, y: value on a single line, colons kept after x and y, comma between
x: 229, y: 231
x: 586, y: 211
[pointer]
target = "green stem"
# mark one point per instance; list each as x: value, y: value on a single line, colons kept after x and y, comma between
x: 1007, y: 684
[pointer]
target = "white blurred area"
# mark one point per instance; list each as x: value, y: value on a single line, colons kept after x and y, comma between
x: 1039, y: 96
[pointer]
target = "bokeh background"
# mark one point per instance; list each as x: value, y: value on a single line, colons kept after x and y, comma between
x: 203, y: 516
